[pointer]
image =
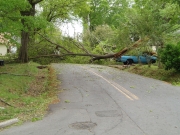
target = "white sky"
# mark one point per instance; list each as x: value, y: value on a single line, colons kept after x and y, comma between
x: 71, y: 28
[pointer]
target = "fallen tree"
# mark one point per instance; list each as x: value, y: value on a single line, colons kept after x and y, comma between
x: 86, y: 52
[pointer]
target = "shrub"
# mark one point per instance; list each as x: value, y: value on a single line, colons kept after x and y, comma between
x: 170, y: 56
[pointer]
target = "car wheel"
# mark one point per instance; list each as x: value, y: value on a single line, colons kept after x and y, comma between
x: 125, y: 63
x: 152, y: 61
x: 129, y: 62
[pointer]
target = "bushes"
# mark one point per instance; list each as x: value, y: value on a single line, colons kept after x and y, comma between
x: 170, y: 57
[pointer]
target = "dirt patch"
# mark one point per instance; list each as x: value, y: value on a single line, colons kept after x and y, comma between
x: 2, y: 104
x: 55, y: 101
x: 36, y: 88
x: 38, y: 85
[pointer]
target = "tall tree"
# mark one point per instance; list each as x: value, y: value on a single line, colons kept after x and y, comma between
x: 26, y: 14
x: 18, y: 18
x: 152, y: 19
x: 23, y: 14
x: 108, y: 12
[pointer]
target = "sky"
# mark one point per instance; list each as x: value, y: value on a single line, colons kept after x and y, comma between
x: 72, y: 28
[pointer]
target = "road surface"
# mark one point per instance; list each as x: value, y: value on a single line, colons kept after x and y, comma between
x: 99, y: 100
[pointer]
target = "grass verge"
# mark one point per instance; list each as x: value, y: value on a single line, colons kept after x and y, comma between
x: 26, y: 91
x: 170, y: 76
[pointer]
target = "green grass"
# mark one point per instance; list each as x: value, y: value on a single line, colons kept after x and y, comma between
x: 26, y: 91
x: 170, y: 76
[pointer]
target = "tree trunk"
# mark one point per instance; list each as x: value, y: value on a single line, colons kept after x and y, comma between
x: 25, y: 35
x: 94, y: 56
x: 23, y: 52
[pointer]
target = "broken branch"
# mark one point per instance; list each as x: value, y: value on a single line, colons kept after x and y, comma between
x: 6, y: 103
x: 14, y: 74
x: 54, y: 43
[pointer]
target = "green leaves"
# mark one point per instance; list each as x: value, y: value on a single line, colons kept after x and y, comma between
x: 152, y: 19
x: 59, y: 10
x: 106, y: 12
x: 170, y: 56
x: 11, y: 6
x: 10, y: 17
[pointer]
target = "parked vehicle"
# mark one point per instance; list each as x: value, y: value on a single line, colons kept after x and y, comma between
x: 145, y: 59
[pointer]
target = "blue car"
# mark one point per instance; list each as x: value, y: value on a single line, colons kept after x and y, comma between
x: 145, y: 59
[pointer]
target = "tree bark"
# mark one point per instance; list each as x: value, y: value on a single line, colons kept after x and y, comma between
x: 23, y: 52
x: 25, y: 34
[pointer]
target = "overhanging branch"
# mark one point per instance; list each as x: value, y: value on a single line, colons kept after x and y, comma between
x: 54, y: 43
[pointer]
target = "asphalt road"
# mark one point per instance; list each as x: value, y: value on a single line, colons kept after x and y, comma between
x: 99, y: 100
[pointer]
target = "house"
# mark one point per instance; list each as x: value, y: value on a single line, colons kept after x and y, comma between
x: 5, y: 44
x: 3, y: 50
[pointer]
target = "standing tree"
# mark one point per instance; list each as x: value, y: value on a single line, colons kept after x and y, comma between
x: 27, y: 14
x: 154, y: 19
x: 22, y: 17
x: 104, y: 12
x: 18, y: 18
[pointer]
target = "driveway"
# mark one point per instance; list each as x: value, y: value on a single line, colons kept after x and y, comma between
x: 99, y: 100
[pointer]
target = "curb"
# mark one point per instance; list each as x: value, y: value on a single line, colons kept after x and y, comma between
x: 8, y: 122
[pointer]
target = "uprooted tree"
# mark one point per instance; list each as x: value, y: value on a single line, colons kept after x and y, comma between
x: 85, y: 52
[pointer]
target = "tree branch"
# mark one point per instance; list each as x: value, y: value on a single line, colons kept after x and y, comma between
x: 14, y: 74
x: 125, y: 50
x: 6, y: 103
x: 54, y: 43
x: 81, y: 46
x: 94, y: 56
